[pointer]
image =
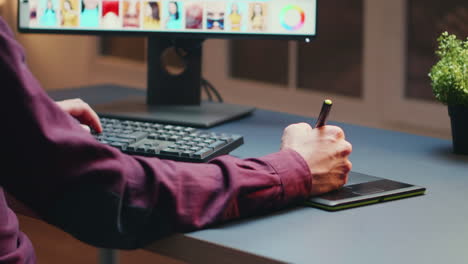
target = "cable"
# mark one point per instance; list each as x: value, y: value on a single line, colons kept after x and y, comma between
x: 213, y: 89
x: 207, y: 90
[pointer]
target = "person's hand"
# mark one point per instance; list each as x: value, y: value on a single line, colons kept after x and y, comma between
x: 326, y: 152
x: 83, y: 112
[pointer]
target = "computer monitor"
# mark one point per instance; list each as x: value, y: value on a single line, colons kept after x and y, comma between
x: 175, y: 29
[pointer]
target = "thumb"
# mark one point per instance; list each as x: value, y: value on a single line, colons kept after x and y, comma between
x: 85, y: 127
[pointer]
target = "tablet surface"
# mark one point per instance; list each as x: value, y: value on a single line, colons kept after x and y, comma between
x: 363, y: 189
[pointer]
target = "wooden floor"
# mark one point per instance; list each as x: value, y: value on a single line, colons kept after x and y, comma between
x: 56, y: 247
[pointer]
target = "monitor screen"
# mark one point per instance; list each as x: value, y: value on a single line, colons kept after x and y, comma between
x: 208, y: 18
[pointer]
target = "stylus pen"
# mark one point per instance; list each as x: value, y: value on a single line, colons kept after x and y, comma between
x: 322, y: 119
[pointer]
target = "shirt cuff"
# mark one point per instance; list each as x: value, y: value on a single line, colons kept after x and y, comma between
x: 294, y: 174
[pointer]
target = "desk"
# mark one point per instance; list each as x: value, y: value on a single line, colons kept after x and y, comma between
x: 427, y: 229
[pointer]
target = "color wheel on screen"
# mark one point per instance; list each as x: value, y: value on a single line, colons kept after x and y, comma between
x: 292, y: 17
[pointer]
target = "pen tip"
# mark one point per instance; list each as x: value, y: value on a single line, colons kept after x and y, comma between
x: 328, y: 102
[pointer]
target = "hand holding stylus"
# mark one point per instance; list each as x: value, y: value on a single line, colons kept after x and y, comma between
x: 324, y: 149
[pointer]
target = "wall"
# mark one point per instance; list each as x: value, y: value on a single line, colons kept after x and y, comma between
x: 57, y: 61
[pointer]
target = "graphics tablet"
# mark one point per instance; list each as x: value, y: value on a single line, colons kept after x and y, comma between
x: 363, y: 189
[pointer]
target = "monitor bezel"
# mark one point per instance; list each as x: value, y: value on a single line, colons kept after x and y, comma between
x: 175, y: 35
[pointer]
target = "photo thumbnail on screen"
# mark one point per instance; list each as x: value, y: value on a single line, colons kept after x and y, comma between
x: 246, y: 17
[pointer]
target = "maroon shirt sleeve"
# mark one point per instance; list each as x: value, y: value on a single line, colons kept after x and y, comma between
x: 15, y: 247
x: 111, y: 199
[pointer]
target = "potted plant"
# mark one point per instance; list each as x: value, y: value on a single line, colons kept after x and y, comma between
x: 449, y: 79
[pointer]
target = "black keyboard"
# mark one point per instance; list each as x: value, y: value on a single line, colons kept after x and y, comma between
x: 166, y: 141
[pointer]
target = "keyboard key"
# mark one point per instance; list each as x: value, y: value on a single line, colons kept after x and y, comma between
x: 118, y: 145
x: 121, y: 140
x: 162, y: 137
x: 173, y: 138
x: 195, y: 148
x: 217, y: 145
x: 170, y: 151
x: 110, y: 138
x: 227, y: 139
x: 132, y: 148
x: 110, y: 134
x: 151, y: 144
x: 141, y: 149
x: 151, y: 151
x: 135, y: 135
x: 203, y: 153
x: 186, y: 154
x: 183, y: 148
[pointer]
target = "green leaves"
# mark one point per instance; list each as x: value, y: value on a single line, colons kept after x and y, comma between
x: 450, y: 75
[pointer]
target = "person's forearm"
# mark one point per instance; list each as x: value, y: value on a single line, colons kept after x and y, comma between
x: 110, y: 199
x: 178, y: 197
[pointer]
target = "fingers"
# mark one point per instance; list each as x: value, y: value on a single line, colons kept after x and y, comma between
x: 346, y: 149
x: 90, y: 117
x: 345, y: 169
x: 294, y: 135
x: 335, y: 131
x: 334, y: 182
x: 297, y: 127
x: 81, y: 111
x: 87, y: 128
x: 304, y: 126
x: 349, y: 165
x: 328, y: 129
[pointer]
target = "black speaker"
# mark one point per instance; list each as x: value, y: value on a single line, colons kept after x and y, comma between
x: 174, y: 71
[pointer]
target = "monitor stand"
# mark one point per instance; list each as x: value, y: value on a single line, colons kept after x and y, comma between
x: 174, y: 89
